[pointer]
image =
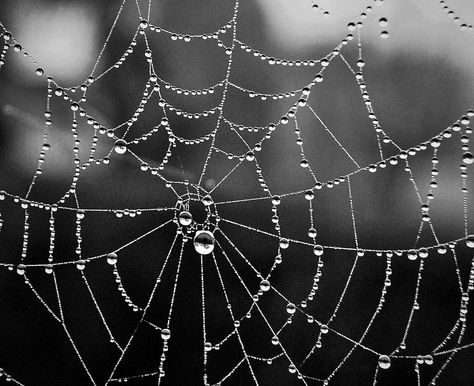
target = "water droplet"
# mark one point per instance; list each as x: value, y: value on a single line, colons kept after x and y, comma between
x: 143, y: 23
x: 412, y: 255
x: 120, y: 146
x: 80, y: 265
x: 292, y: 368
x: 276, y: 200
x: 324, y: 329
x: 275, y: 340
x: 207, y: 346
x: 112, y: 258
x: 428, y: 359
x: 165, y: 334
x: 284, y: 243
x: 318, y: 250
x: 302, y: 102
x: 265, y: 285
x: 207, y: 200
x: 423, y: 252
x: 204, y: 242
x: 470, y: 241
x: 39, y: 71
x: 468, y: 158
x: 312, y: 233
x: 185, y: 218
x: 290, y: 308
x: 309, y: 195
x: 250, y: 156
x: 435, y: 142
x: 384, y: 362
x: 383, y: 22
x: 48, y: 269
x: 20, y: 269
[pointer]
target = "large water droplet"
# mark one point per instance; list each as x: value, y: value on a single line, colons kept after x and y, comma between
x: 20, y: 269
x: 423, y: 252
x: 112, y: 258
x: 412, y: 254
x: 185, y: 218
x: 318, y: 250
x: 204, y: 242
x: 80, y: 265
x: 265, y: 285
x: 470, y: 241
x: 309, y: 195
x: 284, y: 243
x: 165, y: 334
x: 120, y: 146
x: 207, y: 200
x: 384, y: 362
x: 468, y: 158
x: 290, y: 308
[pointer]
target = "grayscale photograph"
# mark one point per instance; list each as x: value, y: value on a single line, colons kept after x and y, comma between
x: 236, y: 192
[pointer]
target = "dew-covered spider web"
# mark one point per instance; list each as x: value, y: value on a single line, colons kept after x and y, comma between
x: 269, y: 222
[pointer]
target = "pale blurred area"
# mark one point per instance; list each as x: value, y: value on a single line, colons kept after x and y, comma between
x: 415, y: 26
x: 63, y: 38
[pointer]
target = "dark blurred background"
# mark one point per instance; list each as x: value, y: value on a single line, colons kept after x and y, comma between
x: 420, y: 82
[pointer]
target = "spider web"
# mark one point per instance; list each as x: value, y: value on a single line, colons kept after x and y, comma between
x: 229, y: 283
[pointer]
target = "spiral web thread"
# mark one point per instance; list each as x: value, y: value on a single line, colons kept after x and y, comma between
x: 445, y: 350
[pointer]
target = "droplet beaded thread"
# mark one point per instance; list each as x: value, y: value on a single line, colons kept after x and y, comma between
x: 197, y: 224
